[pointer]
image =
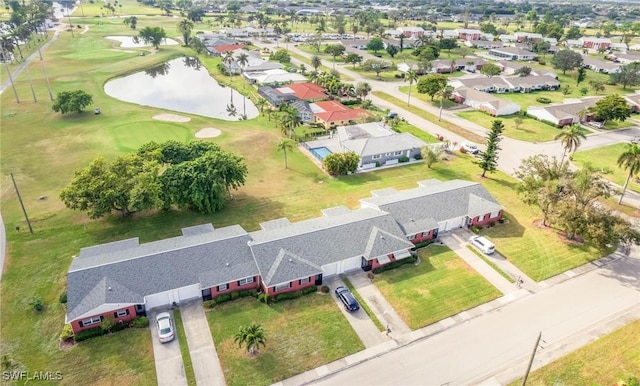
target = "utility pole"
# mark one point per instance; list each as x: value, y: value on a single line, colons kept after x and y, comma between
x: 71, y: 25
x: 33, y: 92
x: 21, y: 203
x: 46, y: 77
x: 533, y: 355
x: 13, y: 86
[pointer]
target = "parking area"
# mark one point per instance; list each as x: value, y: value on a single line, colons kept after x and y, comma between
x: 169, y: 365
x: 359, y: 320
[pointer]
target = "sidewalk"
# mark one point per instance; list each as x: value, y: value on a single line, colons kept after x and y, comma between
x: 206, y: 365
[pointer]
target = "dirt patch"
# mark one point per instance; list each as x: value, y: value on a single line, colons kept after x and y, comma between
x: 208, y: 132
x: 171, y: 118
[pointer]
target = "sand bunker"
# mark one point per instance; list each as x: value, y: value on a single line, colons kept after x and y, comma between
x: 171, y: 118
x: 208, y: 132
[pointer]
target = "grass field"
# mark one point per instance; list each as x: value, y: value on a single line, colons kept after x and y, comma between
x: 405, y: 127
x: 606, y: 159
x: 530, y: 129
x: 491, y: 263
x: 184, y: 348
x: 43, y: 149
x: 440, y: 286
x: 301, y: 334
x: 609, y: 360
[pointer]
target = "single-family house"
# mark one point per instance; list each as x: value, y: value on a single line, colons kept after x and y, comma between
x: 522, y: 37
x: 512, y: 53
x: 468, y: 34
x: 527, y: 84
x: 627, y: 58
x: 376, y: 144
x: 494, y: 84
x: 564, y: 114
x: 254, y: 62
x: 411, y: 32
x: 273, y: 76
x: 304, y: 110
x: 448, y: 34
x: 618, y: 46
x: 599, y: 65
x: 436, y: 206
x: 222, y: 49
x: 291, y: 256
x: 332, y: 113
x: 507, y: 38
x: 573, y: 43
x: 471, y: 64
x: 634, y: 102
x: 486, y: 102
x: 304, y: 91
x: 594, y: 43
x: 271, y: 95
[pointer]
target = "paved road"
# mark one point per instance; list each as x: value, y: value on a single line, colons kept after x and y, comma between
x: 206, y: 365
x: 168, y: 359
x: 485, y: 346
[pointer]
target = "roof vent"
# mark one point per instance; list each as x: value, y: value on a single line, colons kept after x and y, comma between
x: 109, y: 288
x: 291, y: 260
x: 382, y: 237
x: 227, y: 264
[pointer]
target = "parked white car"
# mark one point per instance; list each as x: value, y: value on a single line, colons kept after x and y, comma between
x: 470, y: 147
x: 483, y: 244
x: 164, y: 322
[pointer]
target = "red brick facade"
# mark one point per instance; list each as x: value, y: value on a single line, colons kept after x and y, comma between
x: 127, y: 315
x: 235, y: 286
x: 486, y: 219
x: 295, y: 285
x: 420, y: 237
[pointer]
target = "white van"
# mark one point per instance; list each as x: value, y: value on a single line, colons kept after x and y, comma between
x: 483, y: 244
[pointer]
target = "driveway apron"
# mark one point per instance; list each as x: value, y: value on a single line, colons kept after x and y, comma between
x: 169, y: 365
x: 359, y: 320
x: 379, y: 305
x: 204, y: 358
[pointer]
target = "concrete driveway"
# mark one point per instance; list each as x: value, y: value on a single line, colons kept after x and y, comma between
x: 169, y: 365
x: 359, y: 320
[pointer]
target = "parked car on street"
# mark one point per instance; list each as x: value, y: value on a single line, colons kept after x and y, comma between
x: 483, y: 244
x: 164, y: 322
x: 347, y: 298
x: 470, y: 147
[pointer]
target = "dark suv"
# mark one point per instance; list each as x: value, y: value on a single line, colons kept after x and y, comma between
x: 350, y: 302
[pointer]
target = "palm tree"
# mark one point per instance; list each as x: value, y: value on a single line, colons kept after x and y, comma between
x: 284, y: 145
x: 629, y: 160
x: 228, y: 60
x: 316, y: 62
x: 251, y: 337
x: 570, y: 139
x: 363, y: 89
x: 314, y: 76
x: 410, y: 76
x: 243, y: 60
x: 260, y: 103
x: 444, y: 93
x: 185, y: 26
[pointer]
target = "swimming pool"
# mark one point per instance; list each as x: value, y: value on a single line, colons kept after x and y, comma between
x: 320, y: 152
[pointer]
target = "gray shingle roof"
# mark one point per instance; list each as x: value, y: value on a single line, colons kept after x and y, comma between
x: 431, y: 203
x: 301, y: 249
x: 381, y: 145
x: 207, y: 259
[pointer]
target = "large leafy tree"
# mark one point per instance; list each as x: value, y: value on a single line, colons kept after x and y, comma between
x: 354, y: 59
x: 630, y: 161
x: 431, y: 84
x: 131, y: 21
x: 566, y: 60
x: 612, y: 108
x: 341, y: 163
x: 251, y: 337
x: 375, y: 45
x: 334, y: 50
x: 67, y: 101
x: 490, y: 70
x: 627, y: 75
x: 153, y: 35
x: 489, y: 158
x: 376, y: 66
x: 570, y: 139
x: 185, y: 26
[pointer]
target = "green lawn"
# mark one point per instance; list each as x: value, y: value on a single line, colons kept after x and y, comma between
x: 301, y: 334
x: 405, y: 127
x: 610, y: 360
x: 614, y: 125
x: 184, y: 348
x: 606, y: 159
x: 440, y: 286
x: 426, y: 98
x: 364, y: 305
x: 491, y: 263
x: 530, y: 130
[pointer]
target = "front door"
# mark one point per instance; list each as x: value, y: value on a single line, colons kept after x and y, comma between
x: 318, y: 279
x: 365, y: 264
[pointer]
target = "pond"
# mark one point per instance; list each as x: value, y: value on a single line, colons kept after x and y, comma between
x: 182, y: 85
x: 129, y: 42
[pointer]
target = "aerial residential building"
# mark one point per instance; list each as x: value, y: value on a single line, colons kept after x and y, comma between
x: 486, y: 102
x: 512, y: 53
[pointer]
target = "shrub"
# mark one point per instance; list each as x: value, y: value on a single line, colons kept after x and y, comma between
x: 492, y: 224
x: 235, y: 295
x: 371, y: 276
x: 475, y: 229
x: 247, y: 293
x: 119, y: 326
x: 310, y: 290
x: 463, y: 150
x: 324, y: 289
x: 418, y: 156
x: 222, y: 298
x: 403, y: 159
x: 543, y: 100
x: 87, y: 334
x: 423, y: 244
x: 281, y: 56
x: 350, y: 102
x: 264, y: 298
x: 67, y: 332
x: 107, y: 324
x: 209, y: 304
x: 395, y: 264
x: 63, y: 297
x: 288, y: 296
x: 36, y: 303
x: 140, y: 322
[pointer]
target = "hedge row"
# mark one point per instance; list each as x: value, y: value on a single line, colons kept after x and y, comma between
x: 296, y: 294
x: 230, y: 296
x: 395, y: 264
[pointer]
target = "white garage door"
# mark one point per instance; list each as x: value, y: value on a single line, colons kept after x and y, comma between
x: 165, y: 299
x: 351, y: 264
x: 453, y: 223
x: 330, y: 269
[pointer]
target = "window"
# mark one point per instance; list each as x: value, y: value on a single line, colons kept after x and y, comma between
x: 377, y: 156
x: 425, y: 234
x: 246, y: 280
x: 223, y: 287
x: 281, y: 287
x: 121, y: 313
x: 412, y: 237
x: 90, y: 321
x: 387, y: 154
x: 303, y: 281
x: 397, y: 153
